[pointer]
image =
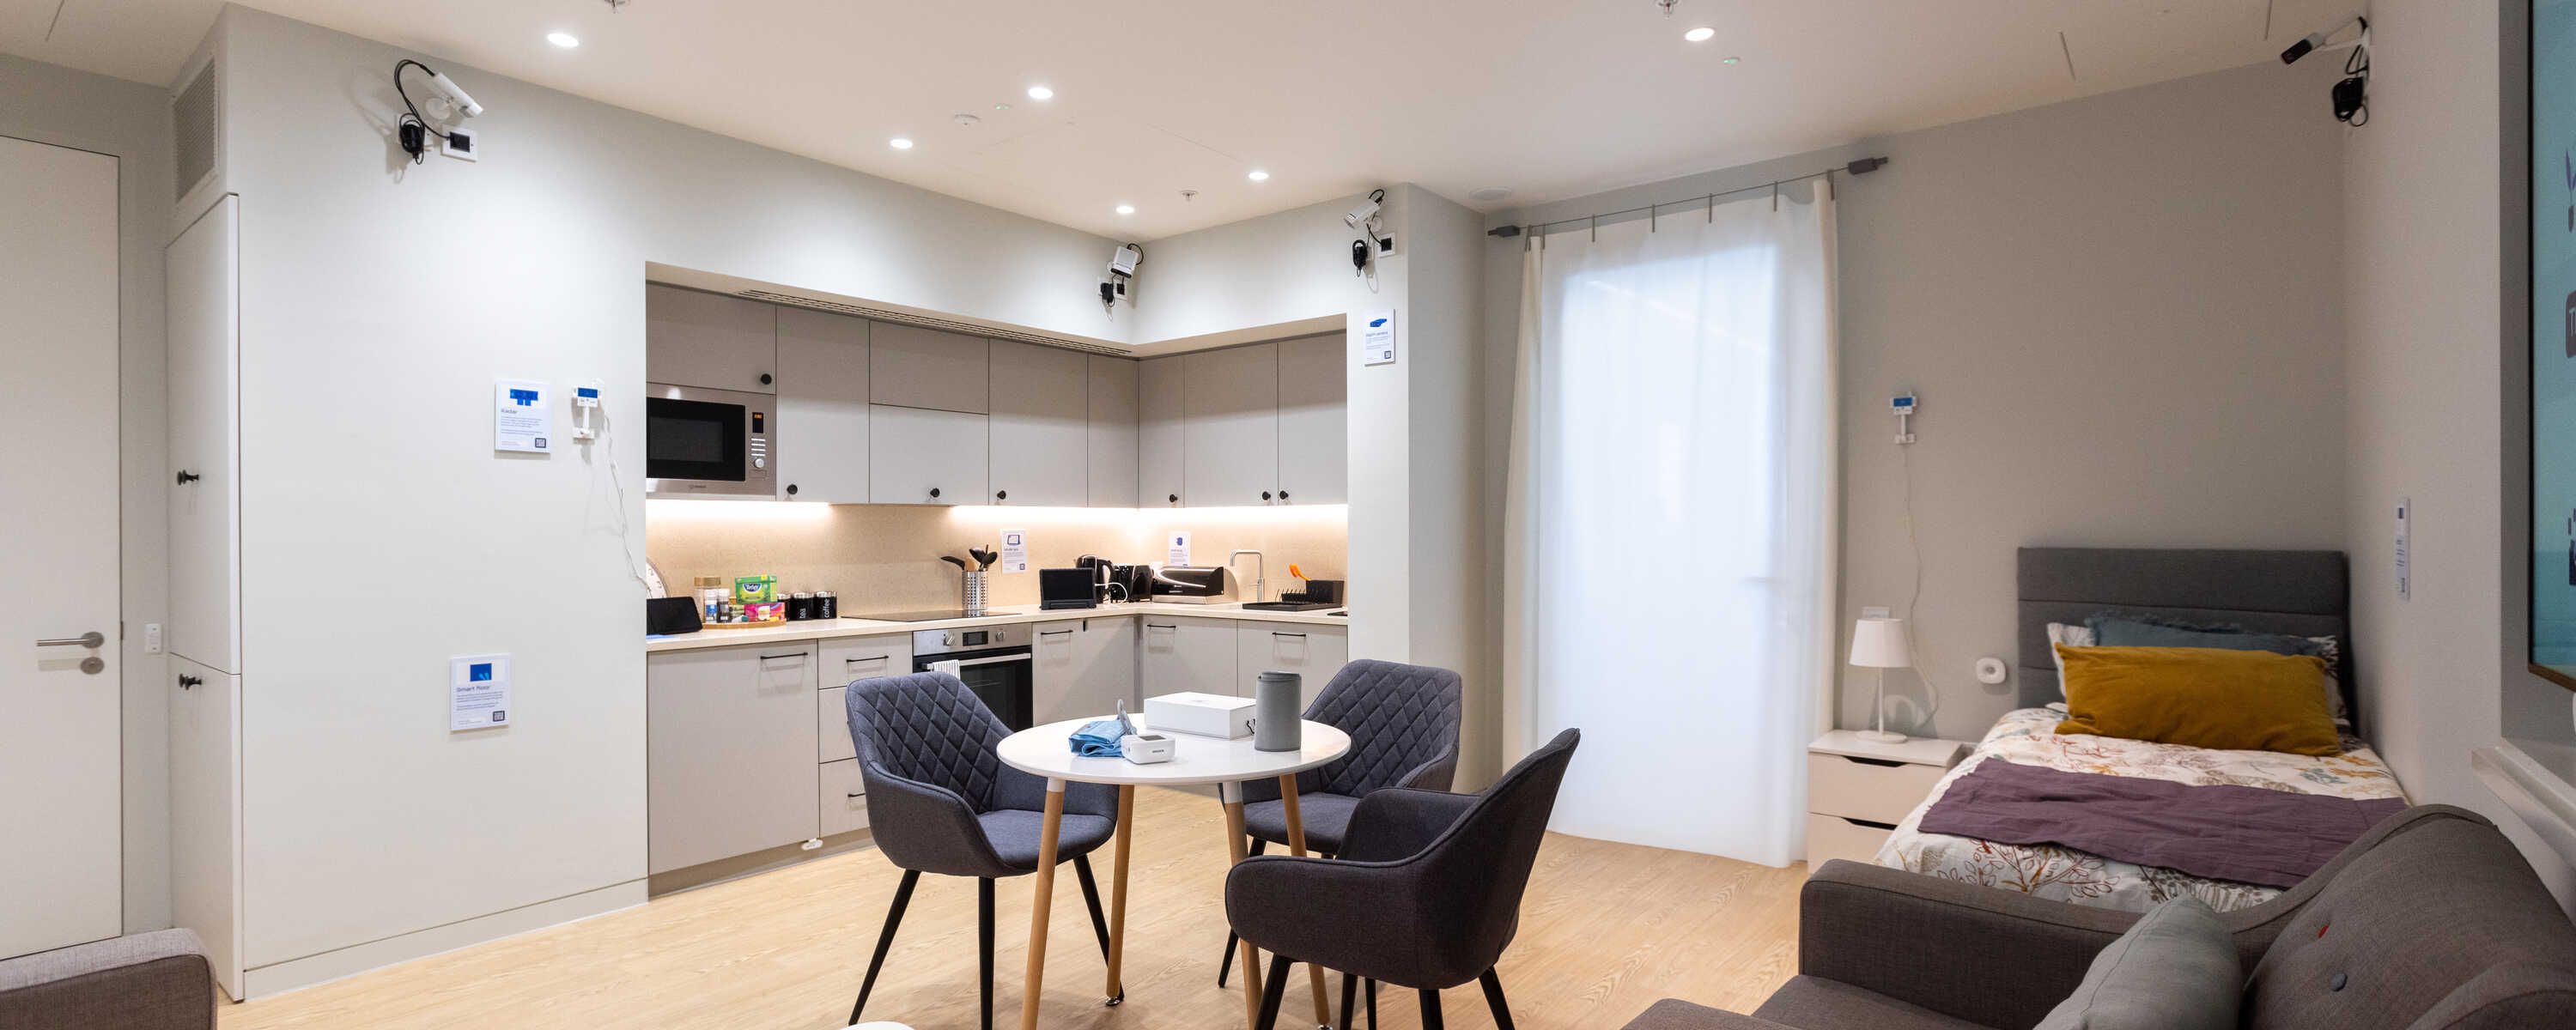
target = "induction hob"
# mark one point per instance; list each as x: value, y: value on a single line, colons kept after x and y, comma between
x: 928, y: 616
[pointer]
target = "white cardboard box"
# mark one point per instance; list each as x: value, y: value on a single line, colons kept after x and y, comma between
x: 1224, y: 716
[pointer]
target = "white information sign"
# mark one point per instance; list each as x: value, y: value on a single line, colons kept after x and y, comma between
x: 1377, y: 338
x: 1015, y: 550
x: 478, y: 692
x: 523, y: 415
x: 1177, y: 548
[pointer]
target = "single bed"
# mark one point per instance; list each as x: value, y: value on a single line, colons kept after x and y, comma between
x: 2297, y: 592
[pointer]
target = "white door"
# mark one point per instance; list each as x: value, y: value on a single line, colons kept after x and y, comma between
x: 58, y: 510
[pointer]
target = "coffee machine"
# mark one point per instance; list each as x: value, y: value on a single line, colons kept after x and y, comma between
x: 1116, y: 582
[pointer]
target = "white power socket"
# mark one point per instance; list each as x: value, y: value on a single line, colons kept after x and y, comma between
x: 462, y: 144
x: 151, y: 638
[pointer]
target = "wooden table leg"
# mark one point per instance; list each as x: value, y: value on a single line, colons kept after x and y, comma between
x: 1233, y: 796
x: 1042, y: 903
x: 1297, y: 847
x: 1118, y: 889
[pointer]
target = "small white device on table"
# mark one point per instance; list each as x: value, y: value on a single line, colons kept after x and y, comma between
x: 1195, y: 760
x: 1145, y: 748
x: 1880, y: 644
x: 1858, y: 789
x: 1223, y: 716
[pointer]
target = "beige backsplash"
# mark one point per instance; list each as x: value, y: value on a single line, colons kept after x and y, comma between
x: 885, y: 557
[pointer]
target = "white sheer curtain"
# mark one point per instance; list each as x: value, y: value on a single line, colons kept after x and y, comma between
x: 1671, y: 522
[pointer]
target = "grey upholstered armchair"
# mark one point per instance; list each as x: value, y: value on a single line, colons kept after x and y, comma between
x: 941, y: 801
x: 1426, y: 893
x: 149, y: 981
x: 1403, y: 722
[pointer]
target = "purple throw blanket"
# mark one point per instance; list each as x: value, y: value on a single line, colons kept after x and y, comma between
x: 2225, y: 832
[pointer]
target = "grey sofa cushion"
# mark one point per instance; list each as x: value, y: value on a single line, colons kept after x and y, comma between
x: 2175, y: 970
x: 148, y: 981
x: 2442, y: 925
x: 1815, y: 1003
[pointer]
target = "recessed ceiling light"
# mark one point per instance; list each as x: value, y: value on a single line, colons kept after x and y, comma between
x: 1257, y: 175
x: 967, y: 120
x: 1701, y: 34
x: 1126, y: 209
x: 1001, y: 107
x: 1490, y: 194
x: 565, y: 40
x: 1041, y: 93
x: 900, y: 143
x: 1731, y: 59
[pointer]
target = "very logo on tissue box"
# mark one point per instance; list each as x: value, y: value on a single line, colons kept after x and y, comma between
x: 1208, y: 715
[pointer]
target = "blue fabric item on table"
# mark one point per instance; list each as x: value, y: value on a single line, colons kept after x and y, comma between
x: 1100, y: 738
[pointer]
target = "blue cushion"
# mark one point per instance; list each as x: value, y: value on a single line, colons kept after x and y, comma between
x: 2119, y: 631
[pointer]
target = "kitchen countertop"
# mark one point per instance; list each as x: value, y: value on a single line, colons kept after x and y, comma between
x: 1000, y: 615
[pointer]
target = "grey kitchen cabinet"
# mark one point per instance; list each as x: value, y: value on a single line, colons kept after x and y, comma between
x: 842, y: 797
x: 926, y: 368
x: 729, y: 752
x: 1230, y: 448
x: 1313, y: 421
x: 1161, y: 475
x: 709, y: 339
x: 206, y: 813
x: 1040, y: 426
x: 832, y: 741
x: 1082, y: 668
x: 1314, y: 653
x: 1177, y: 654
x: 203, y: 284
x: 1109, y: 431
x: 822, y: 431
x: 849, y: 659
x: 919, y: 456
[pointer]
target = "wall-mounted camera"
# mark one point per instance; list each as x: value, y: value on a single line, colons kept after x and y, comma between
x: 2351, y: 94
x: 1374, y: 241
x: 1122, y: 271
x: 413, y: 130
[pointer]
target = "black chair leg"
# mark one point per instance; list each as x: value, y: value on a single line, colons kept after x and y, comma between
x: 1274, y: 985
x: 1099, y: 923
x: 1494, y: 1000
x: 1431, y: 1010
x: 885, y: 939
x: 984, y: 944
x: 1372, y: 1004
x: 1350, y: 1001
x: 1225, y: 960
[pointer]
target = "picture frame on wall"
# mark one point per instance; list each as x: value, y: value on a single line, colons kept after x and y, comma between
x: 2551, y: 225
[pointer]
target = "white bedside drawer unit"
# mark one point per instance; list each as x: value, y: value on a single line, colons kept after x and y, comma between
x: 1858, y: 790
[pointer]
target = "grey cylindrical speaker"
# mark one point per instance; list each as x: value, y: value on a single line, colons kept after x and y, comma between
x: 1275, y: 725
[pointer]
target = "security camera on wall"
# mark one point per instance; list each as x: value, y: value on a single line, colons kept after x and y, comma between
x: 1122, y: 270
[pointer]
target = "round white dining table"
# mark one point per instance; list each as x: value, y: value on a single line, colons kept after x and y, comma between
x: 1196, y: 761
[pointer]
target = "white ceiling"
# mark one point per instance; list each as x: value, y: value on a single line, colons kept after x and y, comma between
x: 1548, y: 98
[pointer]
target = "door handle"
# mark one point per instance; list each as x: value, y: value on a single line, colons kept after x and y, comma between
x: 92, y: 638
x: 186, y: 681
x: 186, y: 477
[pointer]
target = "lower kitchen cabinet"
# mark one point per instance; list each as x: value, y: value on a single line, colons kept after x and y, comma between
x: 843, y: 798
x: 1179, y: 654
x: 1314, y: 653
x: 730, y: 749
x: 847, y: 660
x: 1083, y: 668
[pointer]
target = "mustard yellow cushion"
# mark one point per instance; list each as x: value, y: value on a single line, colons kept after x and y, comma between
x: 2201, y: 697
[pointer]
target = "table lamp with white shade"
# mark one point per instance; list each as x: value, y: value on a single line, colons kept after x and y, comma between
x: 1880, y: 644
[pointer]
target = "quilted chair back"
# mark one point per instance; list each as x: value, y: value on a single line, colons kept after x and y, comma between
x: 1403, y: 722
x: 928, y: 728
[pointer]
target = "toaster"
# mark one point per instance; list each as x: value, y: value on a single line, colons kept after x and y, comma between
x: 1185, y: 584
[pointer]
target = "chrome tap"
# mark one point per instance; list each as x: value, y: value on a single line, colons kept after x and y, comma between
x: 1260, y: 571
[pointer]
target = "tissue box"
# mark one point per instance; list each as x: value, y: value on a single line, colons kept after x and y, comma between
x: 1223, y: 716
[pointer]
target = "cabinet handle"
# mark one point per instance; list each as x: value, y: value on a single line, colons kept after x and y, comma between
x: 186, y: 681
x: 934, y: 492
x: 791, y: 489
x: 186, y: 477
x: 1175, y: 498
x: 1883, y: 763
x: 764, y: 379
x: 784, y: 657
x: 1283, y: 495
x: 1152, y: 626
x: 1001, y: 495
x: 1299, y: 636
x: 1054, y: 632
x: 1265, y: 495
x: 1870, y: 823
x: 879, y: 659
x: 855, y: 795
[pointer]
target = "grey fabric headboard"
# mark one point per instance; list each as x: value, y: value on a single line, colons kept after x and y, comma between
x: 2301, y: 592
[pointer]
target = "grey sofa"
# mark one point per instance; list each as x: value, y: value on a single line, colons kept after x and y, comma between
x: 149, y: 981
x: 2431, y: 920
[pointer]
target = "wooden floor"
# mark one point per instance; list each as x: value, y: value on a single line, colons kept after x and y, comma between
x: 1605, y: 930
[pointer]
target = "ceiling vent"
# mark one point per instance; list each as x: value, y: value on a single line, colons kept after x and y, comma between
x: 194, y: 132
x: 933, y: 322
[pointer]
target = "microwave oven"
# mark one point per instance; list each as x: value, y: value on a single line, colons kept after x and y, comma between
x: 708, y: 443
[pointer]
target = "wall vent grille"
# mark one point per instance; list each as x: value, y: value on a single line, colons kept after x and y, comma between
x: 932, y: 322
x: 193, y: 132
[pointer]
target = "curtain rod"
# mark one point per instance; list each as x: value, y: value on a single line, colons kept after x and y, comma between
x: 1863, y: 166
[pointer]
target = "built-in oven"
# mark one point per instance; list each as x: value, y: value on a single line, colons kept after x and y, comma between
x: 708, y: 443
x: 995, y: 662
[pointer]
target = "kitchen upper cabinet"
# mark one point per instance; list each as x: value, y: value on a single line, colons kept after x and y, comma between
x: 1160, y: 433
x: 1314, y: 653
x: 1313, y: 452
x: 822, y: 431
x: 1230, y: 449
x: 1083, y: 668
x: 709, y: 339
x: 919, y: 456
x: 1180, y: 654
x: 926, y: 368
x: 730, y: 748
x: 1040, y: 431
x: 203, y: 283
x: 1110, y: 431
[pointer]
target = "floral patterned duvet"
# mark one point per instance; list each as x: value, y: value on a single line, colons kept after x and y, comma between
x: 2029, y: 736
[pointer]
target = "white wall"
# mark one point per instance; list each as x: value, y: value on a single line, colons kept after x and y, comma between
x: 381, y: 533
x: 2120, y: 313
x: 2423, y: 274
x: 69, y: 108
